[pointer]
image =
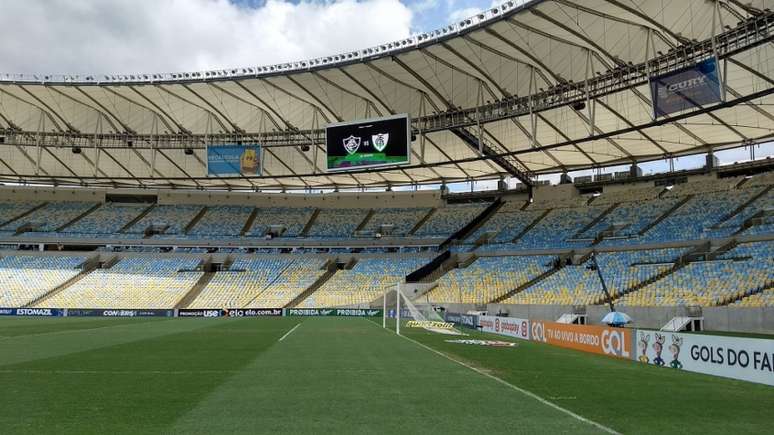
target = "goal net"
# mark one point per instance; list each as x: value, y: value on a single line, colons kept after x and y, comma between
x: 413, y: 314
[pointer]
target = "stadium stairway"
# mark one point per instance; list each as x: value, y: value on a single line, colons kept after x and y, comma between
x: 26, y: 213
x: 435, y: 269
x: 79, y: 217
x: 531, y: 225
x: 733, y: 300
x: 473, y: 225
x: 310, y: 224
x: 422, y: 221
x: 595, y: 221
x: 666, y: 214
x: 742, y: 206
x: 249, y: 223
x: 88, y: 266
x: 137, y: 218
x: 756, y: 219
x: 329, y: 272
x: 558, y: 265
x: 680, y: 262
x: 195, y: 220
x: 195, y: 290
x: 365, y: 221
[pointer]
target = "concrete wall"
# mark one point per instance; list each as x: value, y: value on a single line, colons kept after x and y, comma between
x: 425, y: 198
x: 558, y: 192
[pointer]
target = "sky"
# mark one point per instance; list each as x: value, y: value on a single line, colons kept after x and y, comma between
x: 130, y: 36
x: 149, y: 36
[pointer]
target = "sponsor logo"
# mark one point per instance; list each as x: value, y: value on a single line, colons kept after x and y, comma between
x: 356, y: 313
x: 509, y: 326
x: 453, y: 317
x: 379, y: 141
x: 119, y: 313
x: 429, y: 324
x: 684, y: 85
x: 6, y: 311
x: 255, y: 312
x: 351, y: 144
x: 491, y: 343
x: 468, y: 320
x: 344, y: 312
x: 34, y: 312
x: 538, y: 331
x: 198, y: 313
x: 602, y: 340
x: 613, y: 343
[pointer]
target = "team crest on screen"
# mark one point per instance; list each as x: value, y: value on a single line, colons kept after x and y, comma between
x: 380, y: 141
x: 351, y: 144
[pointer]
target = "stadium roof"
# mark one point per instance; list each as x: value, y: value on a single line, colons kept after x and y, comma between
x: 549, y: 86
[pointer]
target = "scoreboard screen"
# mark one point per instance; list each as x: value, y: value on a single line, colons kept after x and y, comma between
x: 368, y: 143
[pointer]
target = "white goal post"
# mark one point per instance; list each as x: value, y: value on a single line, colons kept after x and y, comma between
x: 418, y: 315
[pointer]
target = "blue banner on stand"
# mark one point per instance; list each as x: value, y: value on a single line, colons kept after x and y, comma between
x: 688, y: 88
x: 234, y: 160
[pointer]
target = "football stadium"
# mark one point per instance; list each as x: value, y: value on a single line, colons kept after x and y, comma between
x: 552, y: 216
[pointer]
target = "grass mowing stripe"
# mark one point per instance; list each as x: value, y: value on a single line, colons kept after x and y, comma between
x: 14, y: 327
x: 289, y: 332
x: 140, y: 386
x: 339, y: 375
x: 514, y: 387
x: 116, y: 372
x: 68, y: 331
x: 22, y: 348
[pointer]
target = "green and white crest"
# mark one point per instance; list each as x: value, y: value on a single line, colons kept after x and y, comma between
x: 380, y: 140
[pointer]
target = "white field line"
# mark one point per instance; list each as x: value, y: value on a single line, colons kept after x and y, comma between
x: 521, y: 390
x: 288, y: 333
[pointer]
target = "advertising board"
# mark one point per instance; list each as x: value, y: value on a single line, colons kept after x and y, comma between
x: 602, y: 340
x: 748, y: 359
x: 510, y: 326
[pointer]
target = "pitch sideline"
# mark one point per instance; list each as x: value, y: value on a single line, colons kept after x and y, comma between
x: 514, y: 387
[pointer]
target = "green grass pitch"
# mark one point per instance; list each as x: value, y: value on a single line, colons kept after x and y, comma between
x: 338, y: 375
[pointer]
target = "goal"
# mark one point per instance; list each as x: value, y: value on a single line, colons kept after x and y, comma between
x: 412, y: 314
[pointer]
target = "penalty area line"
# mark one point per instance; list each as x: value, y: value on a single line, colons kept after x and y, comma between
x: 519, y: 389
x: 289, y: 332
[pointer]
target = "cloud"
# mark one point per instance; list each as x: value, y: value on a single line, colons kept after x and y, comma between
x: 420, y: 6
x: 123, y: 36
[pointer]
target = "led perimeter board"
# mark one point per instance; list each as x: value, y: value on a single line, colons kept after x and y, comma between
x: 368, y: 143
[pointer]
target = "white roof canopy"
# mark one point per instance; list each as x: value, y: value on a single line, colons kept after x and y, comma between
x: 550, y: 86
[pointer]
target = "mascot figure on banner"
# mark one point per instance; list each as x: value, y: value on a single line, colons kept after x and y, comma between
x: 674, y: 348
x: 643, y: 345
x: 658, y: 347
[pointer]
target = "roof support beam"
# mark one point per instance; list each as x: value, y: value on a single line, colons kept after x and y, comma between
x: 180, y: 128
x: 48, y: 113
x: 475, y: 143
